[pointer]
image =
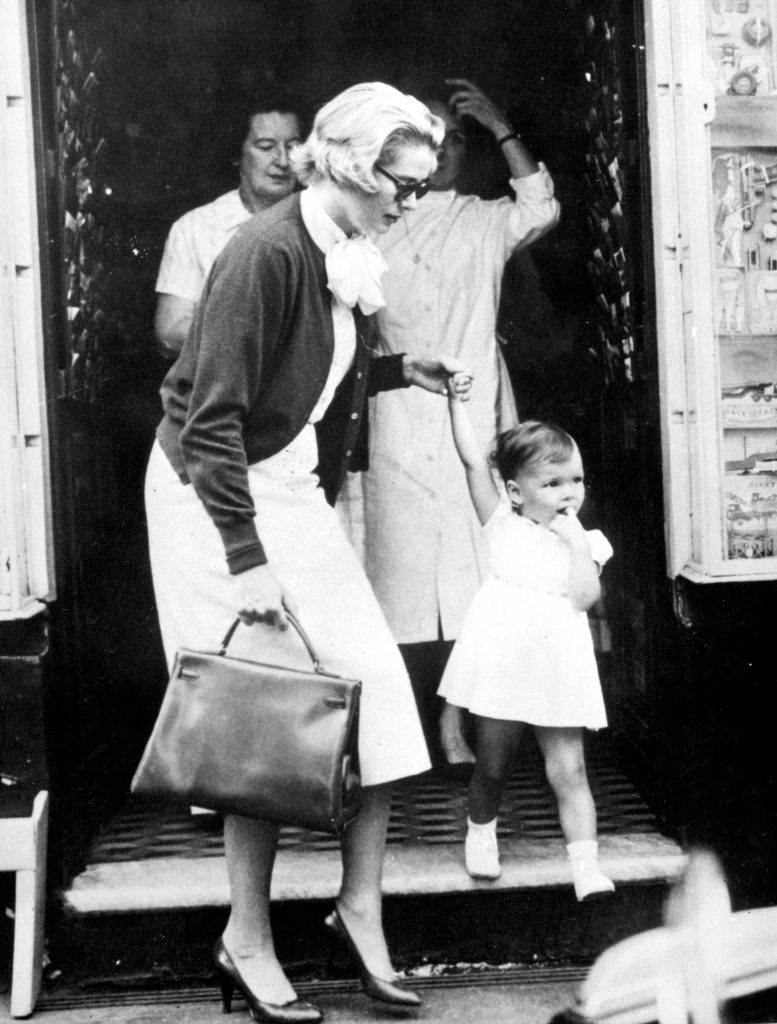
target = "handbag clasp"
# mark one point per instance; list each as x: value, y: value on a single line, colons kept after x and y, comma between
x: 335, y: 702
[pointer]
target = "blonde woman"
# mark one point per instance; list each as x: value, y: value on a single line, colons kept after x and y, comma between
x: 262, y: 414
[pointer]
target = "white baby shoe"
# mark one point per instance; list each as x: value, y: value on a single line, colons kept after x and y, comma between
x: 481, y: 850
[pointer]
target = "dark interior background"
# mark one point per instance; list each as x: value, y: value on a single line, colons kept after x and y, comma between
x: 171, y: 74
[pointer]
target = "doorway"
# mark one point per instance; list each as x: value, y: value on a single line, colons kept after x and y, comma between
x: 140, y: 98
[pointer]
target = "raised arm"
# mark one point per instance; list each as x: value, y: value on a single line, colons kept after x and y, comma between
x: 482, y: 489
x: 534, y: 210
x: 469, y: 99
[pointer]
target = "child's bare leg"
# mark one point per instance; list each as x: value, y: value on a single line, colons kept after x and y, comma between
x: 564, y: 757
x: 496, y: 743
x: 565, y: 768
x: 455, y: 747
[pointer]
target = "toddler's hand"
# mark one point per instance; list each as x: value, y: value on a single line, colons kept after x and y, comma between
x: 567, y: 526
x: 459, y: 386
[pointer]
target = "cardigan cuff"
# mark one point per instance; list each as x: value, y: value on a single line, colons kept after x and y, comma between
x: 387, y: 373
x: 243, y: 548
x: 397, y: 372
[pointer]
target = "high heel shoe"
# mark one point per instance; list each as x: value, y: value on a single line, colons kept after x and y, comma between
x: 230, y: 978
x: 393, y: 992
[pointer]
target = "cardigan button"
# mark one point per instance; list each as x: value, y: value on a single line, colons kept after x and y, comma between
x: 348, y: 454
x: 354, y: 415
x: 359, y: 375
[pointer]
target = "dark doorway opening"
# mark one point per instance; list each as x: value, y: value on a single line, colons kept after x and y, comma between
x: 142, y: 93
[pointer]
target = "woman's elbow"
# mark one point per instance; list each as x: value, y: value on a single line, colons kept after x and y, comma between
x: 551, y: 215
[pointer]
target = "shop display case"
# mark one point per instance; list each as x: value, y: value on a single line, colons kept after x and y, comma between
x: 716, y: 254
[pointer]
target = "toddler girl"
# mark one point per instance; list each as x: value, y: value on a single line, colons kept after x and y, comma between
x: 525, y: 653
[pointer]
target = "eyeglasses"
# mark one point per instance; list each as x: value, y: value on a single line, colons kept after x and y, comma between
x: 405, y: 189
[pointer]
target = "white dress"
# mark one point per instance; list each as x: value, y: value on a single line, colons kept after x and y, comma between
x: 309, y: 553
x: 525, y: 654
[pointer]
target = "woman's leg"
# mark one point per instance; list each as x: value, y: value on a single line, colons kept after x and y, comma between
x: 360, y: 900
x: 250, y: 852
x: 496, y: 746
x: 564, y: 757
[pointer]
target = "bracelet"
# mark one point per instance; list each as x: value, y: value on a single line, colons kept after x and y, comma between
x: 506, y: 138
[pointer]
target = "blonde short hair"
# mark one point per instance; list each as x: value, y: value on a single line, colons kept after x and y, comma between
x: 362, y: 126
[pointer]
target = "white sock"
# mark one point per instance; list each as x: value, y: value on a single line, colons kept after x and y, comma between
x: 583, y: 849
x: 481, y: 850
x: 587, y: 876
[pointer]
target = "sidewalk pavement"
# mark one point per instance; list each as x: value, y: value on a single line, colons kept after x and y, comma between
x: 492, y: 1003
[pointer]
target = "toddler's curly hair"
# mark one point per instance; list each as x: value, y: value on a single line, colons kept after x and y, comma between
x: 531, y: 441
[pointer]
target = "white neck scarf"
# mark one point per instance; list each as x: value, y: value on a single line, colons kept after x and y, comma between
x: 353, y: 265
x: 354, y: 268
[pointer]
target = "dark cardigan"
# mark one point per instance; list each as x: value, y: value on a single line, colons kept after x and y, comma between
x: 253, y: 369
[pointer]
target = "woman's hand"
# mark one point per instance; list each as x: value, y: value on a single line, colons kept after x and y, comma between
x: 443, y: 375
x: 469, y: 100
x: 261, y: 597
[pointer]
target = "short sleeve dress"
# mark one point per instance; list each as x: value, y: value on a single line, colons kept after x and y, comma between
x: 525, y: 653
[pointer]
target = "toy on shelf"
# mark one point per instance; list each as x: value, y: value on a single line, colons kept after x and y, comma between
x: 730, y: 302
x: 744, y: 190
x: 751, y: 516
x: 750, y: 405
x: 742, y: 56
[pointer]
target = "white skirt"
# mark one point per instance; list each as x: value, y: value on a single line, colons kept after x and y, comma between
x: 309, y: 553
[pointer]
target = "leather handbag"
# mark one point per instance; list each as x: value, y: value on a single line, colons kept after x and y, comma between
x: 257, y: 740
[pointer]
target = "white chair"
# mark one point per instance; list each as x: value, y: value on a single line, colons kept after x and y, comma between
x: 23, y: 850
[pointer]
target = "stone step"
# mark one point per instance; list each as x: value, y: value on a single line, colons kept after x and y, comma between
x: 154, y: 894
x: 176, y: 883
x: 153, y: 923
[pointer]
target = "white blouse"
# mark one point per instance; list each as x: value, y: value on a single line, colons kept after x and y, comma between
x: 194, y: 242
x: 325, y: 233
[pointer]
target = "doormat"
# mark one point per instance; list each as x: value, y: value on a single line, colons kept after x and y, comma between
x: 427, y: 809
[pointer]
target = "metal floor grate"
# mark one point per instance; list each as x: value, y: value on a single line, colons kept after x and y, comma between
x: 425, y: 810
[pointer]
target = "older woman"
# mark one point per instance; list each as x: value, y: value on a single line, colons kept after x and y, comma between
x: 269, y: 129
x: 278, y: 362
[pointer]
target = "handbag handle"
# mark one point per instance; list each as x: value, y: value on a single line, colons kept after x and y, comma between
x: 317, y: 666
